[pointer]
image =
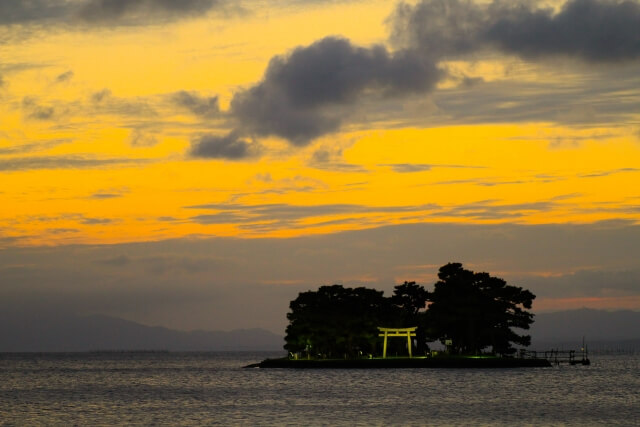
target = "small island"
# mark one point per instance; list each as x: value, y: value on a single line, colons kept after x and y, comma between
x: 472, y: 315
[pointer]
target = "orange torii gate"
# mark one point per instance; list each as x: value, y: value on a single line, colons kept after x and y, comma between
x: 397, y: 332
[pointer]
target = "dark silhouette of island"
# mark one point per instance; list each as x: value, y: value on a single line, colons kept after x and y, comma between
x: 470, y: 313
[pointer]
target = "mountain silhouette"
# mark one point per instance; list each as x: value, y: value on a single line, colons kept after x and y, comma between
x: 58, y: 333
x: 98, y: 332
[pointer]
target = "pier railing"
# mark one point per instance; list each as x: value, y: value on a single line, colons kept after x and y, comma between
x: 557, y: 356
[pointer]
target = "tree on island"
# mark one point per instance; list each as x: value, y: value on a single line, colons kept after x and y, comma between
x: 476, y: 310
x: 335, y: 321
x: 473, y: 310
x: 410, y: 299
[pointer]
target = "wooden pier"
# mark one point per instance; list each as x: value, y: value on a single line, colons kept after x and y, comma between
x: 558, y: 357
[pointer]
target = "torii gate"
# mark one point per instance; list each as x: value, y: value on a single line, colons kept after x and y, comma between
x: 397, y: 332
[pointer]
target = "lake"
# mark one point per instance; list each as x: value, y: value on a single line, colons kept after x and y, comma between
x: 213, y: 388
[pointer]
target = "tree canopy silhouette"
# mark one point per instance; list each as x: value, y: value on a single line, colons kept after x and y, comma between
x: 335, y: 321
x: 476, y: 310
x: 410, y: 299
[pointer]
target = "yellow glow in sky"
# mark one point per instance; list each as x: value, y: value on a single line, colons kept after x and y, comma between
x: 95, y: 149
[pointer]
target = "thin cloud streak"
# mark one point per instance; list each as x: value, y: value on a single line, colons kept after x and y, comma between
x: 64, y: 162
x: 106, y: 12
x: 423, y: 167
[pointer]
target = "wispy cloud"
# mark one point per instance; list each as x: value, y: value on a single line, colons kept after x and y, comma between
x: 64, y: 77
x: 609, y: 172
x: 332, y: 160
x: 241, y: 213
x: 96, y: 221
x: 31, y: 147
x: 207, y: 107
x: 107, y: 12
x: 494, y: 210
x: 36, y: 111
x: 490, y: 182
x: 423, y: 167
x: 108, y: 194
x: 78, y: 161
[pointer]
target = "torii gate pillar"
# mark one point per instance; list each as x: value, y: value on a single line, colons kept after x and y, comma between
x: 397, y: 332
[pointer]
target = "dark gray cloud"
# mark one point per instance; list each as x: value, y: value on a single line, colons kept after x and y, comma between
x: 207, y: 107
x: 439, y: 28
x: 106, y: 12
x: 301, y: 94
x: 21, y: 11
x: 593, y: 30
x: 229, y: 147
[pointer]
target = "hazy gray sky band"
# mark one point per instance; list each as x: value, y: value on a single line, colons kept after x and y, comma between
x: 213, y: 283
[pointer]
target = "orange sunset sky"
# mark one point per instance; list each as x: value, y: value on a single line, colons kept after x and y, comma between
x: 196, y: 164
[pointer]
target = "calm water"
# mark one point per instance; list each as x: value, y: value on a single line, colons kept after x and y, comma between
x: 212, y: 388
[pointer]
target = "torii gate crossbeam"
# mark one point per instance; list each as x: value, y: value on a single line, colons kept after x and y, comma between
x: 397, y: 332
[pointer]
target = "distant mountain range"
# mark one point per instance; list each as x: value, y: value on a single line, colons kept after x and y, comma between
x: 95, y: 333
x: 602, y: 330
x: 593, y: 324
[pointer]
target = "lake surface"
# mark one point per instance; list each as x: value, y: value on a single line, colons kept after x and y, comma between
x: 212, y: 388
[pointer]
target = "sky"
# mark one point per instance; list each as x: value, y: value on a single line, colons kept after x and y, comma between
x: 196, y: 164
